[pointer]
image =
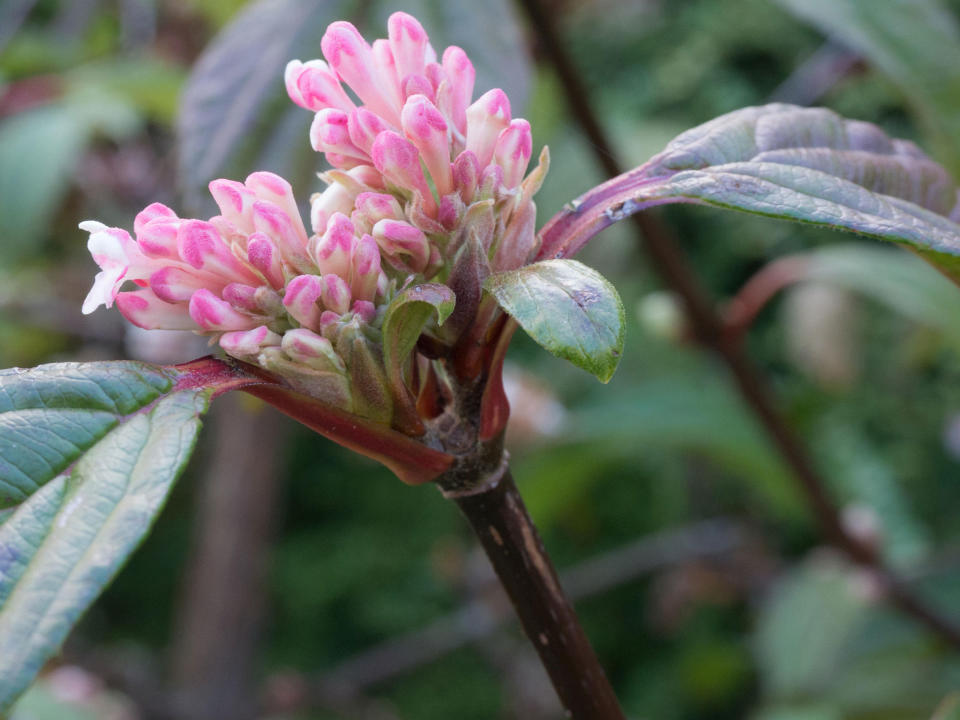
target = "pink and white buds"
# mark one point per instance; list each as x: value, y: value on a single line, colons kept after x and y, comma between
x: 486, y: 119
x: 399, y: 161
x: 352, y: 59
x: 457, y: 88
x: 305, y: 346
x: 405, y: 247
x: 314, y: 86
x: 302, y: 299
x: 248, y: 344
x: 334, y: 248
x: 426, y: 128
x: 408, y: 41
x: 512, y: 152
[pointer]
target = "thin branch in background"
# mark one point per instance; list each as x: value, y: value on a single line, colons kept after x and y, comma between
x: 709, y: 329
x: 490, y: 610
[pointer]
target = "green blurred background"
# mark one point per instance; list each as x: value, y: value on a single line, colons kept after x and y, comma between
x: 288, y: 578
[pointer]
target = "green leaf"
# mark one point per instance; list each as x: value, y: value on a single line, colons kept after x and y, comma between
x: 804, y: 164
x: 567, y: 307
x: 88, y: 454
x: 408, y: 314
x: 235, y: 116
x: 915, y: 42
x: 404, y: 322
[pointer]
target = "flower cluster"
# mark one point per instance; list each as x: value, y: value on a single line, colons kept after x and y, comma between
x: 420, y: 172
x: 449, y: 162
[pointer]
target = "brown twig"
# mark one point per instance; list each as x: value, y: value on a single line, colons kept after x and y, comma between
x: 507, y: 534
x: 709, y: 329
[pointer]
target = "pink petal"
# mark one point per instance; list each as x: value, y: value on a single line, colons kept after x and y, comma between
x: 399, y: 161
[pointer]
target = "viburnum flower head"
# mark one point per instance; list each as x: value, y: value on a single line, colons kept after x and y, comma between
x: 425, y: 180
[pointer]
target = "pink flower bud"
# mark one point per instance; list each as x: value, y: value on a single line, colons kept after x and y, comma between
x: 337, y: 198
x: 486, y: 119
x: 144, y: 309
x: 397, y: 158
x: 333, y: 249
x: 425, y: 127
x: 352, y: 59
x: 417, y: 85
x: 242, y: 297
x: 274, y: 189
x: 291, y: 240
x: 512, y: 152
x: 460, y: 78
x: 301, y: 299
x: 313, y: 86
x: 466, y: 175
x: 365, y: 268
x: 213, y: 313
x: 235, y: 201
x: 158, y: 239
x: 363, y: 127
x: 335, y: 293
x: 377, y: 206
x: 200, y: 245
x: 264, y: 255
x: 248, y: 344
x: 365, y: 310
x: 386, y: 68
x: 154, y: 211
x: 408, y: 41
x: 404, y: 245
x: 329, y: 134
x: 174, y: 284
x: 305, y: 346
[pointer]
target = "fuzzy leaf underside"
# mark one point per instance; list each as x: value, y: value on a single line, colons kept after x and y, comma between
x: 568, y: 308
x: 88, y: 454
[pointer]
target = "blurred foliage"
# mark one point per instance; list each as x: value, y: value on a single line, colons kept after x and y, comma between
x: 778, y: 631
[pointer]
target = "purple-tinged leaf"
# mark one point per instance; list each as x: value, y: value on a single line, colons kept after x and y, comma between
x: 804, y: 164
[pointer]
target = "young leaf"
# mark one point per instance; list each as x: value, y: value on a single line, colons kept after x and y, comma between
x: 404, y: 321
x: 567, y: 307
x: 88, y: 454
x: 784, y: 161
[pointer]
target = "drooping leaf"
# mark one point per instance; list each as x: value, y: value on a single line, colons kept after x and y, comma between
x: 804, y: 164
x: 235, y: 115
x: 88, y: 454
x: 916, y: 43
x: 568, y: 308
